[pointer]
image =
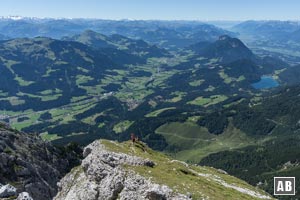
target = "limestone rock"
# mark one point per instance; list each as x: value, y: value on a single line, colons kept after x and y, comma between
x: 102, y: 176
x: 32, y: 165
x: 7, y: 191
x: 133, y: 171
x: 24, y: 196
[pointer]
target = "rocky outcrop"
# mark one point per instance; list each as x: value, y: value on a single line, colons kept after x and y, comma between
x: 133, y: 171
x: 7, y: 191
x: 24, y: 196
x: 29, y: 164
x: 106, y: 175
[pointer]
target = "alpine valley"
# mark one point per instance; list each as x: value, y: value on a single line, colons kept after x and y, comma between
x: 204, y: 101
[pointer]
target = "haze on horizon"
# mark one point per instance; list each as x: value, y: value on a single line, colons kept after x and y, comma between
x: 205, y: 10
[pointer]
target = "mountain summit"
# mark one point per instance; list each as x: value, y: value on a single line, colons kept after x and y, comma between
x: 226, y: 49
x: 91, y: 38
x: 131, y: 46
x: 112, y: 170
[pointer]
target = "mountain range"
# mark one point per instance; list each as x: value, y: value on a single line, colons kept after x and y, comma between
x: 135, y: 47
x: 226, y: 49
x: 199, y: 93
x: 276, y: 30
x: 171, y: 34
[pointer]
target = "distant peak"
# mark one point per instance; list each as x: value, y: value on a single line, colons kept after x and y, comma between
x: 233, y: 42
x: 224, y: 37
x: 89, y: 31
x: 92, y: 33
x: 15, y: 17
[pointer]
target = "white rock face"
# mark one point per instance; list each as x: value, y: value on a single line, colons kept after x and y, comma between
x: 24, y: 196
x: 102, y: 176
x: 35, y: 165
x: 7, y: 191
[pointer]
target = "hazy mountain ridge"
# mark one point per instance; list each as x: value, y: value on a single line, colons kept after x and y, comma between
x: 135, y: 47
x: 272, y: 37
x: 163, y: 33
x: 277, y: 30
x: 3, y: 37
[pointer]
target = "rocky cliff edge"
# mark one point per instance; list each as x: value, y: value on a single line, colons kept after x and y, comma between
x: 112, y: 170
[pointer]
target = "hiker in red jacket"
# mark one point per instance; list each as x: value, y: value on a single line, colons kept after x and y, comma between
x: 132, y: 137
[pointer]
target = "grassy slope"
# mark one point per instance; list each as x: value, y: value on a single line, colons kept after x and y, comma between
x: 215, y: 99
x: 194, y: 142
x: 201, y: 182
x: 157, y: 112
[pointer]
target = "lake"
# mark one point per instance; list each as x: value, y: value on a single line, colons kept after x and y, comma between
x: 265, y: 82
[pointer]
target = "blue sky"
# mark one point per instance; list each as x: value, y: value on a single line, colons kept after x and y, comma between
x: 155, y: 9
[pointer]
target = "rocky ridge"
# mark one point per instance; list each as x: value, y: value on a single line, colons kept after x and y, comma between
x: 112, y: 170
x: 29, y: 167
x: 102, y: 176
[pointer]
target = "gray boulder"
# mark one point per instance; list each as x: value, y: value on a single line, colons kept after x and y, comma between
x: 7, y: 191
x: 24, y: 196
